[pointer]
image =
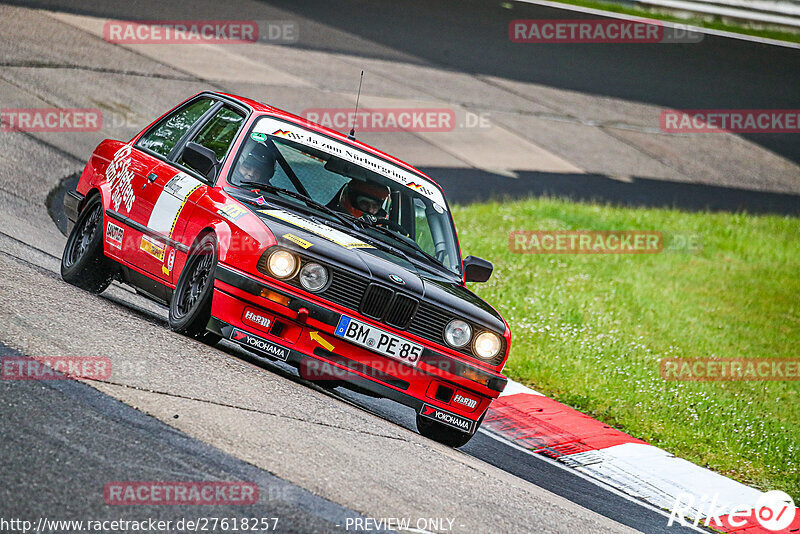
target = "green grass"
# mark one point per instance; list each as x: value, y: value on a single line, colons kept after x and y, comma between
x: 589, y: 330
x: 702, y: 22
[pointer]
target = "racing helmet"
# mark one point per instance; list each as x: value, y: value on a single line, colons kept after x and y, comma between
x: 360, y: 197
x: 257, y: 164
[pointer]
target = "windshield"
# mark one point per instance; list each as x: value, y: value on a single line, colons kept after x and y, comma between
x: 391, y: 205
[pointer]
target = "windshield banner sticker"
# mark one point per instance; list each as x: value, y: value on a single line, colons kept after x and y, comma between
x: 352, y: 155
x: 331, y: 234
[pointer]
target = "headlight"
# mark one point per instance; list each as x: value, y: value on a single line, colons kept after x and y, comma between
x: 313, y: 276
x: 457, y: 333
x: 487, y: 345
x: 282, y: 264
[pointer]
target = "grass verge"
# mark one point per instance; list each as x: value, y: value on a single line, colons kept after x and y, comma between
x: 590, y: 330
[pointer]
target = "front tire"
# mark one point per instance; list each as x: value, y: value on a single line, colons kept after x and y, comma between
x: 190, y: 307
x: 83, y: 263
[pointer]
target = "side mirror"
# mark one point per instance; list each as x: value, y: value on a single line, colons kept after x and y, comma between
x: 477, y: 269
x: 201, y: 159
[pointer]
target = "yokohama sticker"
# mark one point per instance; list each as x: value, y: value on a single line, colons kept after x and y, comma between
x: 114, y: 234
x: 447, y: 418
x: 119, y: 176
x: 259, y: 344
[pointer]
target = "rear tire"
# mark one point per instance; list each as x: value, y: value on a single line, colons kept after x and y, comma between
x: 190, y: 307
x: 444, y: 434
x: 83, y: 263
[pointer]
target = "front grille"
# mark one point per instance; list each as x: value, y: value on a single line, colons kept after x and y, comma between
x: 345, y: 289
x: 429, y: 323
x: 395, y: 309
x: 384, y: 304
x: 376, y: 301
x: 401, y: 311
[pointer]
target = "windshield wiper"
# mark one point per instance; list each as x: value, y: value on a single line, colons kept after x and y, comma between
x: 410, y: 243
x: 301, y: 197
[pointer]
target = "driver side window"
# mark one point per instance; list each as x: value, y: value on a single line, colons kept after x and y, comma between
x: 219, y: 133
x: 163, y: 138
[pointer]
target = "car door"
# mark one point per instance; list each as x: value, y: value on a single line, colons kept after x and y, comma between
x: 145, y: 161
x: 182, y: 187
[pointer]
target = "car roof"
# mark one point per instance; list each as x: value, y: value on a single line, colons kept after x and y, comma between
x: 264, y: 110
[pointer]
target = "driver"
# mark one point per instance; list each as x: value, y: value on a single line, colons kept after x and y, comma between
x: 257, y: 165
x: 358, y: 198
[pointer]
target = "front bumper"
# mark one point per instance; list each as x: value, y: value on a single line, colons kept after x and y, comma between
x: 294, y: 329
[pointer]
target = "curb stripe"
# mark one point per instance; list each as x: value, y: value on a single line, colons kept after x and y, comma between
x: 534, y: 422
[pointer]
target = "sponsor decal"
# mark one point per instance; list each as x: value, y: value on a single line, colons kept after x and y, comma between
x: 170, y: 203
x: 114, y: 234
x: 258, y: 136
x: 232, y: 212
x: 465, y: 401
x: 167, y: 268
x: 396, y: 279
x: 180, y: 493
x: 119, y: 177
x: 257, y: 319
x: 298, y: 241
x: 449, y: 419
x: 331, y: 234
x: 260, y: 344
x: 153, y: 247
x: 353, y: 155
x: 260, y: 201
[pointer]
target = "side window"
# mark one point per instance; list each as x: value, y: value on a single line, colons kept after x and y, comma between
x: 163, y: 138
x: 219, y: 132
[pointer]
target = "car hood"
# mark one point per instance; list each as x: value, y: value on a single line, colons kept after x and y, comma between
x: 311, y: 237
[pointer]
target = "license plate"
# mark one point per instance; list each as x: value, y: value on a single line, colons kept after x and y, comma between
x: 378, y: 340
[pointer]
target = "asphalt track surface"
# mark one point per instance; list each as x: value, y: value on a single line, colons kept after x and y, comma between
x: 177, y: 410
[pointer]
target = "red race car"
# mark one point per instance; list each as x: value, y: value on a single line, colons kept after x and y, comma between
x: 300, y: 244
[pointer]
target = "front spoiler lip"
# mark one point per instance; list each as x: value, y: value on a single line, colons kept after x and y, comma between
x: 250, y: 285
x: 296, y: 358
